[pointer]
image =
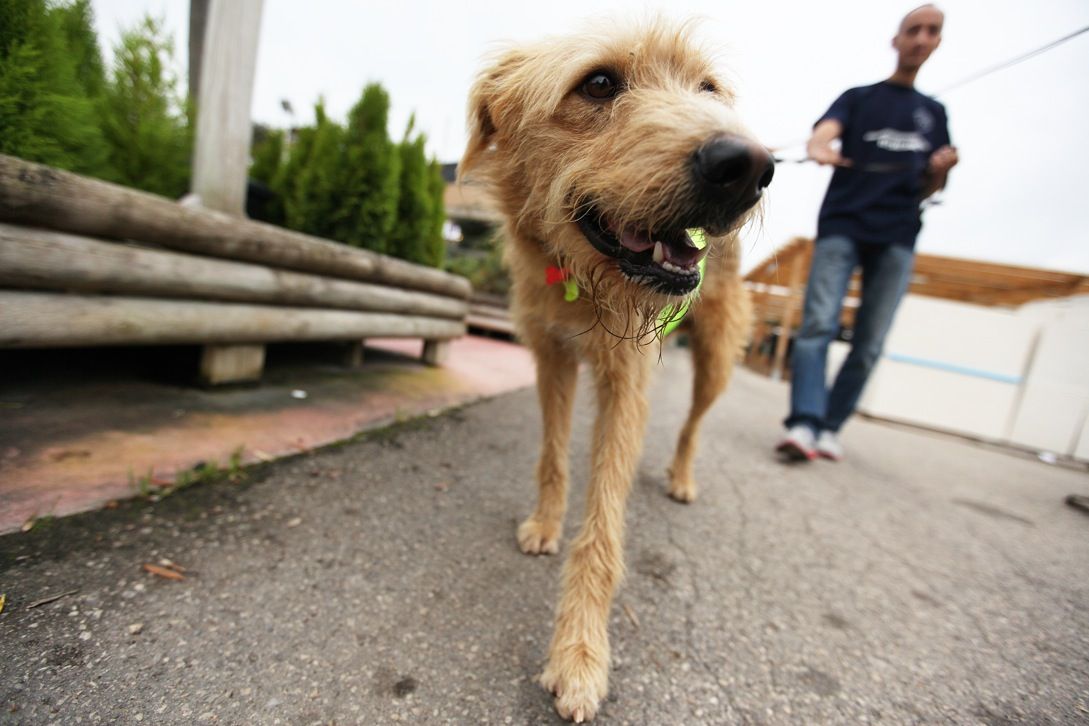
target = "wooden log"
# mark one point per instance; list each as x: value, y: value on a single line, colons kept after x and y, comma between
x: 37, y: 258
x: 486, y: 315
x: 489, y: 298
x: 485, y: 311
x: 49, y: 320
x: 492, y: 325
x: 37, y: 195
x: 490, y: 312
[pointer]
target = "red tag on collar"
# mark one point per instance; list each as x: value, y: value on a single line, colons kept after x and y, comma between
x: 555, y: 274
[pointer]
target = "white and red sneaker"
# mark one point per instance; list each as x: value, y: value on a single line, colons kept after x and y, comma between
x: 829, y: 447
x: 798, y: 445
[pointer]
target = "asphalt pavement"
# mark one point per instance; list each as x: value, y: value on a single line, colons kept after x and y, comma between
x: 927, y: 579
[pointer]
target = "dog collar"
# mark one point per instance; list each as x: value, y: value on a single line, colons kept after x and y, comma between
x: 555, y: 274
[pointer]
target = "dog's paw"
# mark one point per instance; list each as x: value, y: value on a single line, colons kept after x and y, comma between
x: 682, y: 494
x: 681, y: 489
x: 579, y: 685
x: 539, y: 538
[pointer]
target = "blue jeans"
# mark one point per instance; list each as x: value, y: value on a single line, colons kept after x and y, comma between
x: 886, y: 271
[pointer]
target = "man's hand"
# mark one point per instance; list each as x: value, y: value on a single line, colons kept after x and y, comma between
x: 942, y: 160
x: 937, y: 170
x: 819, y: 148
x: 826, y: 155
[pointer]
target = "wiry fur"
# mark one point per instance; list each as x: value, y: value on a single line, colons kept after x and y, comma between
x: 545, y: 150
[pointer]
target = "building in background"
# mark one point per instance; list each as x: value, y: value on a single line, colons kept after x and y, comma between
x: 994, y: 352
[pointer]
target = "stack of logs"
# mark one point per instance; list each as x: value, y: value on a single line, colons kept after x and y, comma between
x: 84, y: 262
x: 490, y: 314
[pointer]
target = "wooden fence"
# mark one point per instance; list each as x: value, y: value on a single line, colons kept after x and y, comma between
x: 85, y: 262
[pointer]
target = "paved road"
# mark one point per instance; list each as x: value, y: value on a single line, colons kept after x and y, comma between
x: 926, y: 580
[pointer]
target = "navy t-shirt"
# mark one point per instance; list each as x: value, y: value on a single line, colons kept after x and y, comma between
x: 889, y: 133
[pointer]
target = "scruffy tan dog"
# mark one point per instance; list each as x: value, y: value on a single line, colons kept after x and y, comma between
x: 608, y: 153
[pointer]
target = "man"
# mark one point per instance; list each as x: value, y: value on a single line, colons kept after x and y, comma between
x: 894, y: 151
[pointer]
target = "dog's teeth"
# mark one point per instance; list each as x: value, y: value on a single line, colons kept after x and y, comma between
x: 675, y: 268
x: 659, y: 253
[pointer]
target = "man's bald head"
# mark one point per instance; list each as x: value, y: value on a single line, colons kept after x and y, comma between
x: 919, y: 34
x: 930, y: 11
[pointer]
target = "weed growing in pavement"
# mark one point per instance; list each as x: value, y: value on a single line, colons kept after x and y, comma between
x: 152, y: 488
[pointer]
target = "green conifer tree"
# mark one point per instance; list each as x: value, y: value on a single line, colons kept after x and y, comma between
x: 368, y: 181
x: 144, y: 116
x: 408, y: 238
x: 46, y: 68
x: 315, y: 195
x: 286, y: 182
x: 436, y: 243
x: 77, y: 22
x: 266, y: 154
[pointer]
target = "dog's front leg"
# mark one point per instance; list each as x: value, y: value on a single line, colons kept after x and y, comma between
x: 557, y: 373
x: 577, y: 671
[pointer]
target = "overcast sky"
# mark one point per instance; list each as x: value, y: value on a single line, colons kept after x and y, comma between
x: 1018, y: 196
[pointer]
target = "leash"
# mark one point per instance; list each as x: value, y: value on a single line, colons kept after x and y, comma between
x: 887, y: 168
x: 1012, y: 62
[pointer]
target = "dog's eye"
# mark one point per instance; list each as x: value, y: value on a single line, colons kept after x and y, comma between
x: 708, y: 87
x: 600, y: 86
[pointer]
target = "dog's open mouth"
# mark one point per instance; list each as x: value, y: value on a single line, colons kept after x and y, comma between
x: 666, y: 261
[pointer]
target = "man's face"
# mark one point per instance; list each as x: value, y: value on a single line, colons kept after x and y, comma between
x: 920, y: 33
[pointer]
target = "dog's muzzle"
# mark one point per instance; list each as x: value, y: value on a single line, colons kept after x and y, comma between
x: 728, y: 177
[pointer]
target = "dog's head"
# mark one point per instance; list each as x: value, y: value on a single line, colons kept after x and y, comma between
x: 608, y: 147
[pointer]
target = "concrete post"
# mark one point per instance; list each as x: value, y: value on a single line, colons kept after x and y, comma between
x: 223, y: 77
x: 222, y: 144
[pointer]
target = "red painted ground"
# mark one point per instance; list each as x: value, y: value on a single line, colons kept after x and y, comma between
x: 73, y: 441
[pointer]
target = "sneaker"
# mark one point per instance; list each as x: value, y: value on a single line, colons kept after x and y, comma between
x: 798, y: 444
x: 829, y: 447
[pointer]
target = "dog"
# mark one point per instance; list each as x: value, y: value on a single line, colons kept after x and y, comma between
x: 610, y: 154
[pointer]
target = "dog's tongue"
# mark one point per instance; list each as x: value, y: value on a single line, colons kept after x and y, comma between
x: 635, y: 241
x: 684, y: 252
x: 680, y: 250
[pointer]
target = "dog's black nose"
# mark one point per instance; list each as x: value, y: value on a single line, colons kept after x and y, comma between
x: 731, y: 161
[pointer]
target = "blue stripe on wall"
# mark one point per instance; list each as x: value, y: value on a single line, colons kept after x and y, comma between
x: 951, y: 368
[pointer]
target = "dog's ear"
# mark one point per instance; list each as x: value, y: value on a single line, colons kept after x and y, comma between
x: 488, y: 99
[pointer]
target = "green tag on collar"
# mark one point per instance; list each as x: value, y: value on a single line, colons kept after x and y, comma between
x: 570, y: 290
